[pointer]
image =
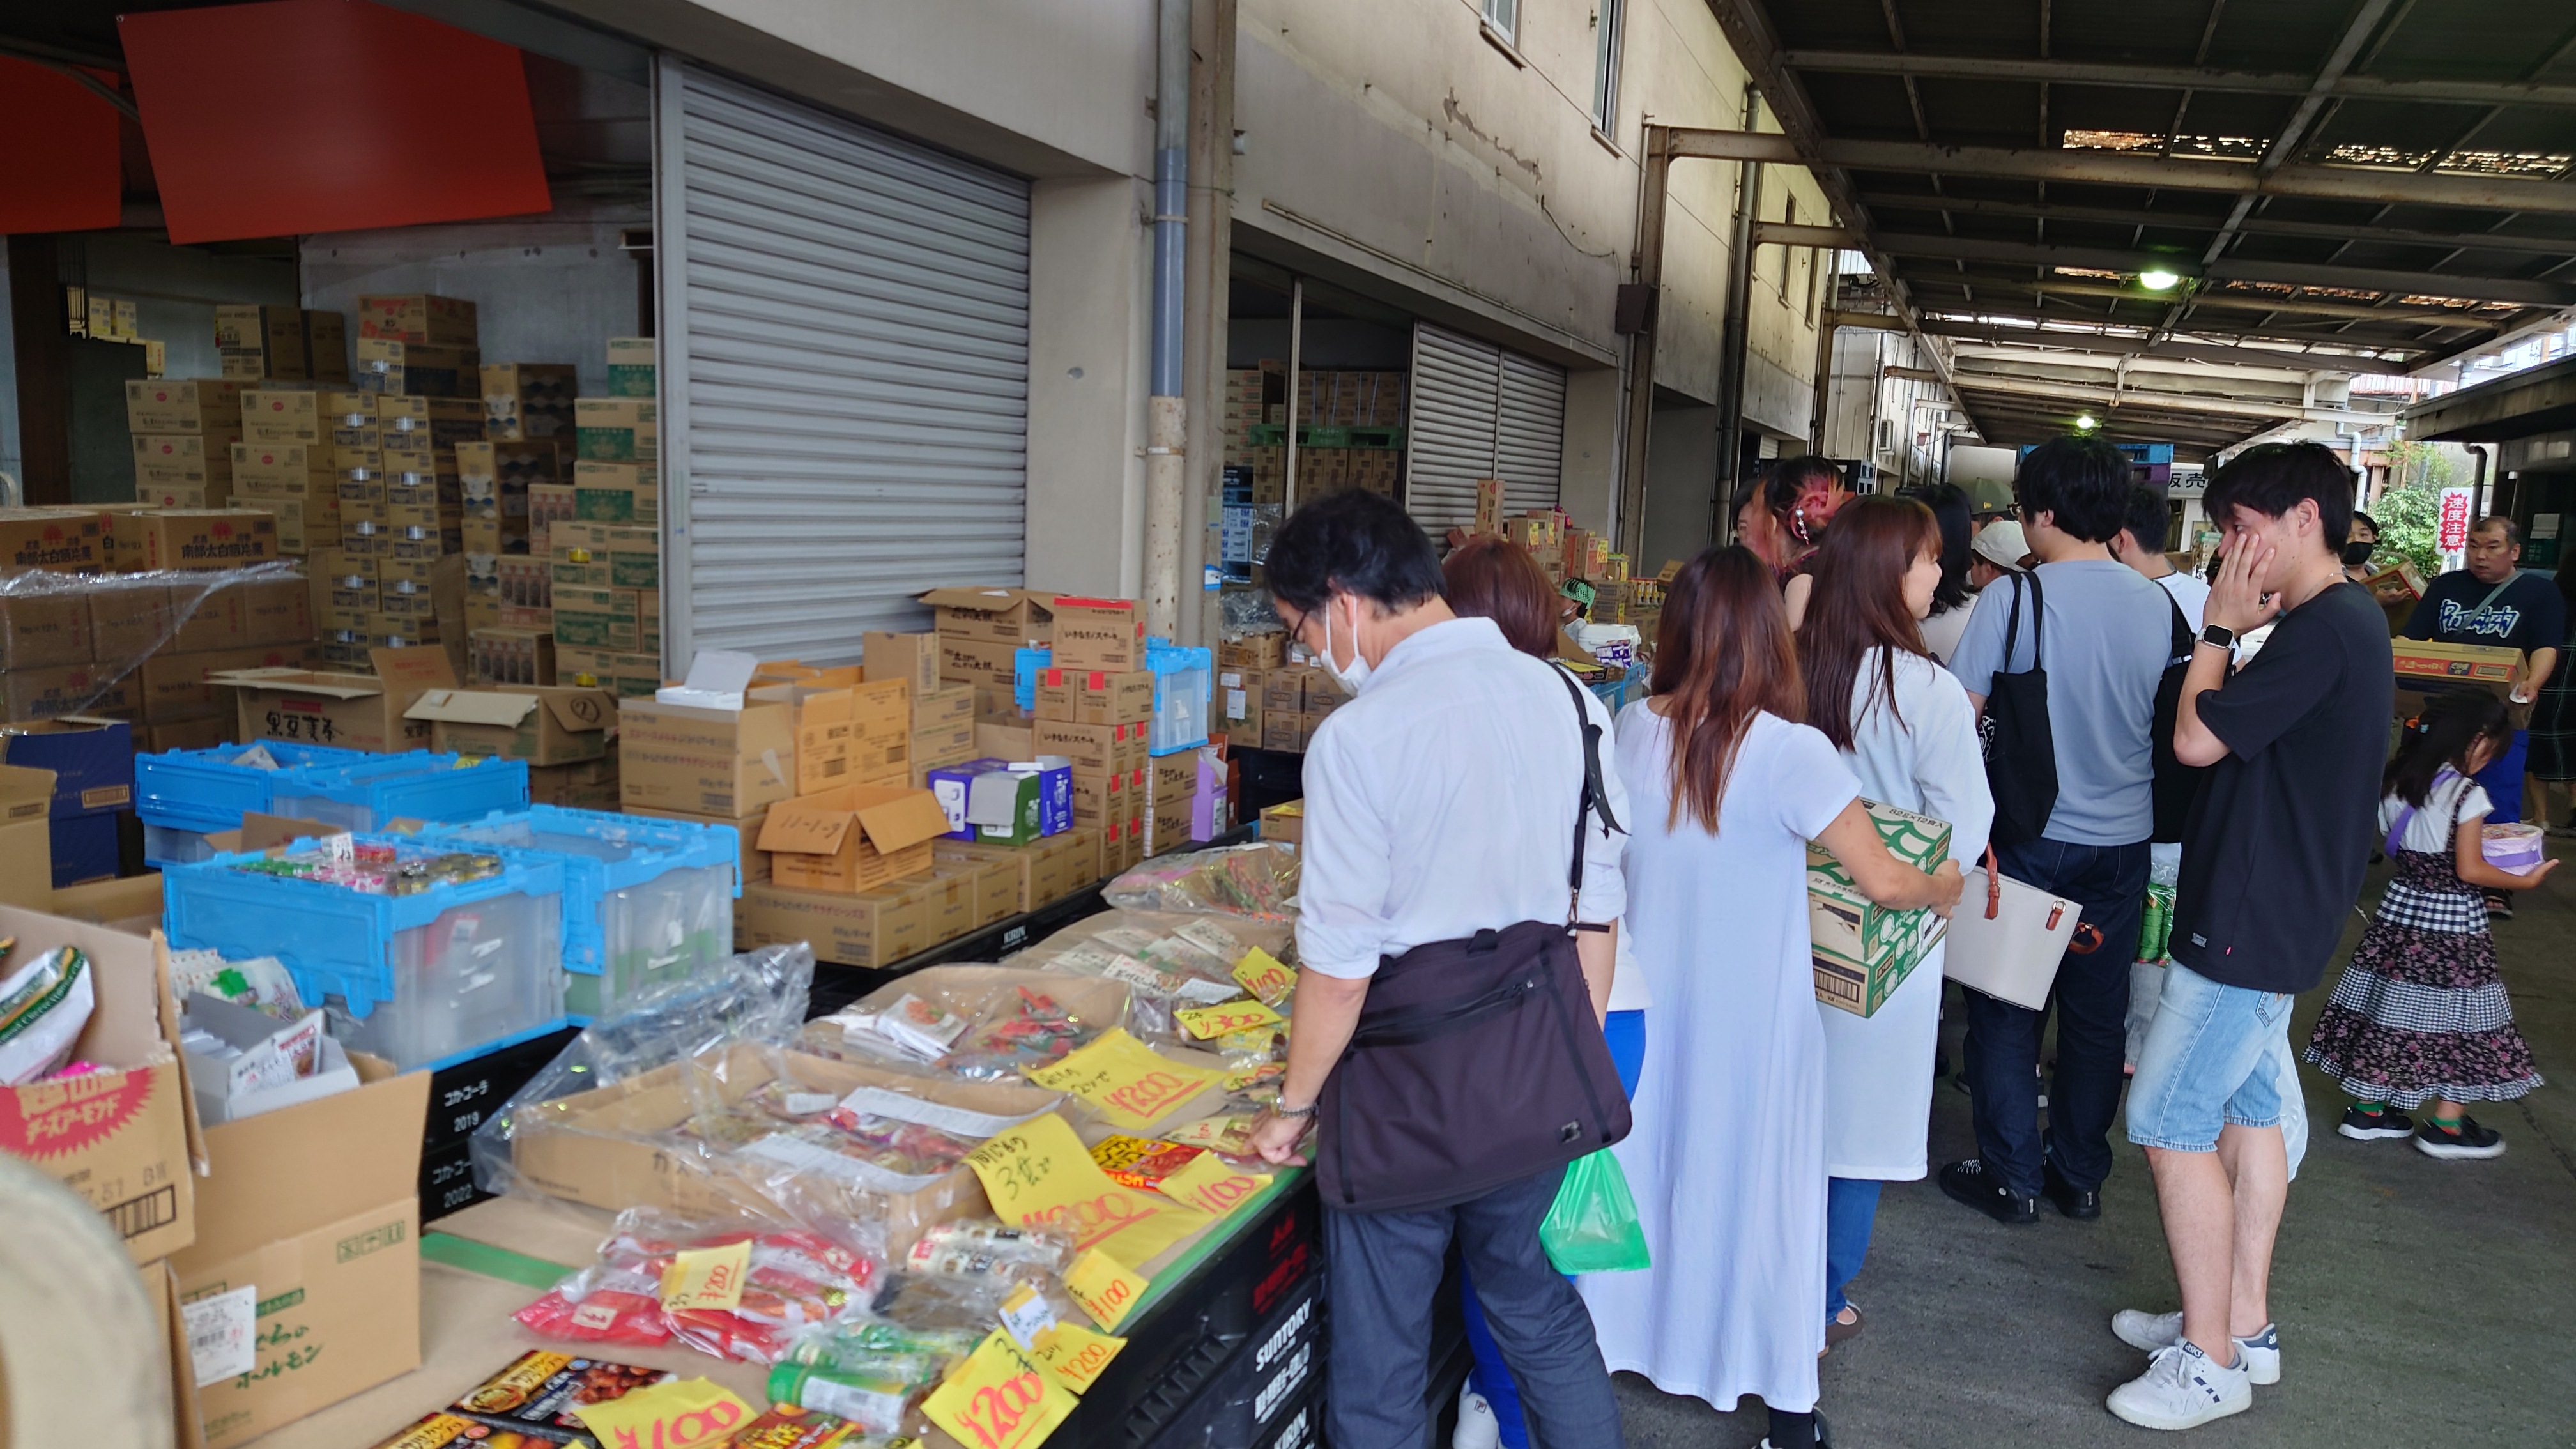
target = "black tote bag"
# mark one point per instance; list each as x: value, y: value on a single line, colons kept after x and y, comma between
x: 2021, y: 752
x: 2176, y: 783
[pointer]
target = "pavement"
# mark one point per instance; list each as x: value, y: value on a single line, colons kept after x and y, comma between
x: 2421, y: 1302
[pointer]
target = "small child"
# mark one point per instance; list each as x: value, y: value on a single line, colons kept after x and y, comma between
x: 2421, y: 1013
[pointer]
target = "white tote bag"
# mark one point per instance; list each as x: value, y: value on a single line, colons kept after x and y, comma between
x: 2007, y: 938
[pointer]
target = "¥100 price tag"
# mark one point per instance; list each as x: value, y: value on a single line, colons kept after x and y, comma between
x: 1265, y: 976
x: 1208, y: 1184
x: 999, y: 1399
x: 1038, y: 1175
x: 1105, y: 1289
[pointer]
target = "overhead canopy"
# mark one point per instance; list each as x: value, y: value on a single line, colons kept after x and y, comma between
x: 58, y: 161
x: 2355, y: 186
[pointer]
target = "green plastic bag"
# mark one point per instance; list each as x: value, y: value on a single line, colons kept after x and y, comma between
x: 1593, y: 1227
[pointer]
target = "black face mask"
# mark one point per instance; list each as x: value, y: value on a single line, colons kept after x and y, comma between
x: 2357, y: 552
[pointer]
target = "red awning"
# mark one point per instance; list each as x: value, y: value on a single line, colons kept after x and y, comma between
x: 58, y: 161
x: 305, y: 116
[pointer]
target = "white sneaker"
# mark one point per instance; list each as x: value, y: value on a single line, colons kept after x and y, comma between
x: 2182, y: 1389
x: 2149, y: 1332
x: 1477, y: 1426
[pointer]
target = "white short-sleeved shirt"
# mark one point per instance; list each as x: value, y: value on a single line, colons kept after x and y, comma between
x: 2452, y: 799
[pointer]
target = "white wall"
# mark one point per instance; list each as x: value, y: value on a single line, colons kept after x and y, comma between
x: 1088, y: 353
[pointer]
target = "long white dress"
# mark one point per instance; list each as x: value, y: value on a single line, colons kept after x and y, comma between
x: 1727, y: 1158
x: 1922, y: 757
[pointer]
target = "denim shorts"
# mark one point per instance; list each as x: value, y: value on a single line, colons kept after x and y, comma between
x: 2212, y: 1058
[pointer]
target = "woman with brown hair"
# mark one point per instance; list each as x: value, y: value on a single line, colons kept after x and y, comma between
x: 1727, y: 1158
x: 1906, y: 729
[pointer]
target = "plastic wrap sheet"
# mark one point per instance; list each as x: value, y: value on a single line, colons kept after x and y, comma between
x: 1233, y: 880
x: 728, y: 1288
x: 1172, y: 959
x: 977, y: 1024
x: 160, y: 602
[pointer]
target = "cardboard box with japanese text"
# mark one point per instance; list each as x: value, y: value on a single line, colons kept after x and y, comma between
x: 706, y: 761
x: 851, y: 838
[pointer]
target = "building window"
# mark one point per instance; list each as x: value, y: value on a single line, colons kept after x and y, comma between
x: 1505, y: 17
x: 1788, y: 254
x: 1605, y: 63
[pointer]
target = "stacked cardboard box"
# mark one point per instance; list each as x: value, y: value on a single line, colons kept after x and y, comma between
x: 282, y: 344
x: 145, y: 652
x: 1102, y: 721
x: 1294, y: 701
x: 1322, y: 471
x: 1185, y: 799
x: 288, y: 459
x: 598, y: 526
x: 942, y: 721
x: 604, y: 584
x: 1243, y: 665
x: 1350, y: 399
x: 1247, y: 403
x: 184, y: 430
x: 981, y: 632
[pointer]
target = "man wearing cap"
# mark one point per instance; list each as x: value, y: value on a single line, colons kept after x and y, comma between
x: 1999, y: 548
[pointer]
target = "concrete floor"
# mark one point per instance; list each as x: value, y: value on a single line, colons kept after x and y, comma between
x: 2421, y: 1302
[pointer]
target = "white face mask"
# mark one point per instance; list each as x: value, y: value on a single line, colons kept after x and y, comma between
x: 1350, y: 678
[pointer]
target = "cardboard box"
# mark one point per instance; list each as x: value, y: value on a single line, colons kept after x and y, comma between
x: 182, y: 405
x: 92, y: 761
x: 352, y: 711
x: 1284, y: 690
x: 2423, y: 664
x: 26, y: 842
x: 262, y: 342
x: 212, y: 538
x: 1239, y: 704
x: 528, y: 400
x: 184, y: 460
x: 1253, y: 652
x: 205, y: 619
x: 1489, y: 505
x: 628, y: 676
x: 417, y: 317
x: 1092, y: 747
x: 614, y: 492
x: 913, y: 658
x: 617, y: 430
x: 1285, y: 823
x: 726, y: 763
x: 1078, y: 696
x: 1016, y: 617
x: 851, y: 838
x: 873, y: 928
x: 511, y: 657
x: 859, y: 733
x: 124, y: 1138
x: 418, y: 369
x: 563, y: 725
x: 1099, y: 634
x: 313, y: 416
x: 274, y: 611
x: 632, y: 369
x: 1287, y: 732
x: 983, y: 663
x: 42, y: 538
x: 590, y: 785
x: 61, y: 689
x: 38, y: 629
x: 326, y: 346
x: 174, y: 687
x: 1047, y: 870
x: 308, y: 1214
x: 1863, y: 951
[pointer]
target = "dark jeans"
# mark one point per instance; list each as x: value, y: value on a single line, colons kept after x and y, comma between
x: 2091, y: 999
x: 1385, y: 1271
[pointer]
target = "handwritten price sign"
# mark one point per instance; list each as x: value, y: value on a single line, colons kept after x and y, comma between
x: 707, y: 1278
x: 1106, y: 1290
x: 1264, y: 976
x: 1210, y: 1186
x: 1124, y: 1079
x: 1038, y: 1175
x: 1073, y: 1355
x: 1204, y: 1022
x: 999, y: 1398
x: 683, y: 1414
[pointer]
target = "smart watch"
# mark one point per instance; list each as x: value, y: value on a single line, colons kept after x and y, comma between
x: 2217, y: 637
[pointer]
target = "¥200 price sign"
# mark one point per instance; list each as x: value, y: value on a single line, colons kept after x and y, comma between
x: 999, y: 1398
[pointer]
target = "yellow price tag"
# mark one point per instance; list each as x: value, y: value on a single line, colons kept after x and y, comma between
x: 681, y: 1414
x: 707, y: 1278
x: 1038, y: 1175
x: 1251, y: 1077
x: 1073, y: 1355
x: 1265, y: 976
x: 1225, y: 1134
x: 1123, y: 1078
x: 998, y: 1399
x: 1209, y: 1185
x: 1106, y: 1291
x: 1226, y: 1018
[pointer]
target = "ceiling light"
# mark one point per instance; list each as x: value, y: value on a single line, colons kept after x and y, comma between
x: 2157, y: 279
x: 2086, y: 423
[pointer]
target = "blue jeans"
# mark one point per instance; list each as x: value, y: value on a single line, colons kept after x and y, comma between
x: 1626, y: 1033
x: 2091, y: 999
x: 1851, y: 1210
x: 2213, y: 1059
x: 2503, y: 780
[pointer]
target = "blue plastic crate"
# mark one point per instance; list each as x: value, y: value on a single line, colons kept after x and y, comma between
x: 1184, y: 679
x: 202, y: 790
x: 646, y: 901
x: 428, y: 787
x: 1026, y: 666
x: 423, y: 979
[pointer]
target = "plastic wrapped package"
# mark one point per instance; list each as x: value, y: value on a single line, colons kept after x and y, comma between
x: 868, y: 1370
x: 976, y: 1023
x: 641, y: 1292
x: 1234, y: 880
x: 150, y: 609
x: 1181, y: 957
x: 45, y: 1002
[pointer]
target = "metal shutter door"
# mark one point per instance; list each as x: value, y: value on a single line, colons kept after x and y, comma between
x: 1479, y: 411
x: 844, y: 358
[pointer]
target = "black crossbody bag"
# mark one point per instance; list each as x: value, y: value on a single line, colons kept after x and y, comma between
x: 1476, y: 1062
x: 2176, y: 784
x: 2020, y: 749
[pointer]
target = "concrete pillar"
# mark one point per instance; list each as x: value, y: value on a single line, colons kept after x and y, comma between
x: 1088, y: 292
x: 1681, y: 486
x: 1587, y: 483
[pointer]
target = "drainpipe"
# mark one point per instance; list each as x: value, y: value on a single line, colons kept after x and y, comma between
x: 2478, y: 486
x: 1211, y: 161
x: 1167, y: 416
x: 1731, y: 344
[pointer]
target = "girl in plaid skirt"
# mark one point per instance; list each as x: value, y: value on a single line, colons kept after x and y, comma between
x: 2421, y: 1013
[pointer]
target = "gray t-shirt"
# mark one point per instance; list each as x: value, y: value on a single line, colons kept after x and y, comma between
x: 2109, y: 633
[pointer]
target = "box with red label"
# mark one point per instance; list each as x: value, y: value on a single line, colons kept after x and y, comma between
x: 1092, y: 746
x: 123, y: 1135
x: 1103, y: 634
x: 1095, y: 696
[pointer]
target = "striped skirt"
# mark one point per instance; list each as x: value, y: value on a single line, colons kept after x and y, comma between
x: 2421, y: 1013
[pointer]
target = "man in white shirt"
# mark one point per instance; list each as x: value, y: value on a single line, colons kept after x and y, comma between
x: 2141, y: 545
x: 1441, y: 803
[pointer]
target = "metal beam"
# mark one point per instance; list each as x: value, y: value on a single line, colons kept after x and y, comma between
x: 2251, y: 226
x: 2133, y: 396
x: 2176, y: 77
x: 2222, y: 297
x: 1798, y: 234
x: 2210, y: 352
x: 2234, y: 268
x: 2120, y: 168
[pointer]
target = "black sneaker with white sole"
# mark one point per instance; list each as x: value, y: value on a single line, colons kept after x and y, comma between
x: 1970, y: 1183
x: 2364, y: 1126
x: 2467, y: 1140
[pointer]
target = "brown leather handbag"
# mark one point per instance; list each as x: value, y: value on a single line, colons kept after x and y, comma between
x: 1476, y: 1062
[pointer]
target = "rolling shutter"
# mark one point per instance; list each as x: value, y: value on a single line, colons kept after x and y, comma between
x: 844, y: 354
x: 1479, y: 411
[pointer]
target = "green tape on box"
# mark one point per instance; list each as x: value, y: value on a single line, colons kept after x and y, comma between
x: 491, y: 1262
x: 1862, y: 950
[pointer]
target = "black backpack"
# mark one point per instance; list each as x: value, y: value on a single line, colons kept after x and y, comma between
x: 2020, y: 749
x: 2176, y: 783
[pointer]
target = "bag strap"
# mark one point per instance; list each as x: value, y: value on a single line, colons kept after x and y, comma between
x: 2406, y: 814
x: 1594, y: 796
x: 2087, y: 938
x: 2182, y: 636
x: 2012, y: 621
x: 2497, y: 590
x: 1994, y: 884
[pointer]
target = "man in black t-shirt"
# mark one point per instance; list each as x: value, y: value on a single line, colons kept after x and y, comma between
x: 2490, y: 602
x: 2272, y: 858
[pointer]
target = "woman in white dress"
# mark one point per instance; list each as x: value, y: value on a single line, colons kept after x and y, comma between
x: 1905, y: 727
x: 1727, y: 1159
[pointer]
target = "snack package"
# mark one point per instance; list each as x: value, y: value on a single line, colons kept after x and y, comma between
x: 786, y: 1426
x: 450, y: 1431
x: 793, y: 1280
x: 1238, y: 880
x: 1014, y: 1018
x: 537, y: 1394
x: 261, y: 983
x: 1140, y: 1161
x: 868, y: 1371
x: 972, y: 1249
x: 44, y: 1004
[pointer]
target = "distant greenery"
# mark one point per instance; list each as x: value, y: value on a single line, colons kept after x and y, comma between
x: 2409, y: 512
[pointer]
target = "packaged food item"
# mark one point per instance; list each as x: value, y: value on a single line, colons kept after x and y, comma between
x: 1024, y: 1029
x: 376, y: 868
x: 786, y: 1426
x: 44, y: 1004
x: 537, y: 1393
x: 869, y: 1372
x: 448, y: 1431
x: 792, y: 1280
x: 261, y: 983
x: 1140, y: 1161
x: 2514, y: 847
x: 1243, y: 880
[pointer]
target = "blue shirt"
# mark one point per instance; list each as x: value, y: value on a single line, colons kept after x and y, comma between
x: 2109, y: 633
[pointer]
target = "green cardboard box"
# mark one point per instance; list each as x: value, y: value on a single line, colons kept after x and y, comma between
x: 1863, y: 951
